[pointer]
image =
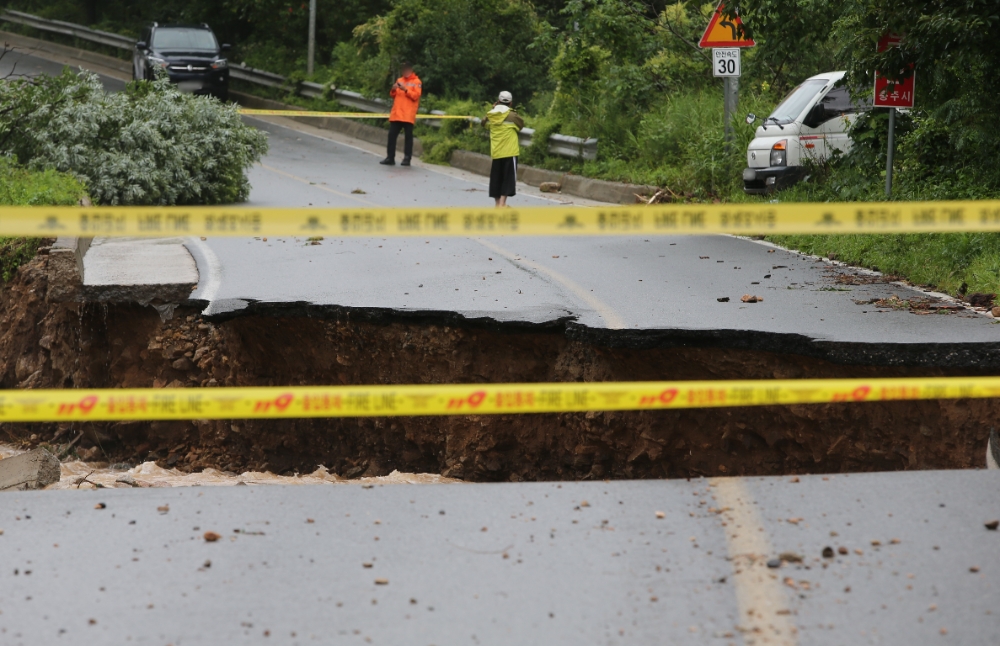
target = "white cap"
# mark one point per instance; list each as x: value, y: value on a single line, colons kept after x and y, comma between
x: 505, y: 97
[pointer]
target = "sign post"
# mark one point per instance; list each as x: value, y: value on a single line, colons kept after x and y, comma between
x: 892, y: 95
x: 723, y: 36
x: 311, y: 54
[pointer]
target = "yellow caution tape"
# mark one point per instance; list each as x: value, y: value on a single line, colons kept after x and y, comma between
x: 468, y: 399
x: 639, y: 220
x: 340, y: 115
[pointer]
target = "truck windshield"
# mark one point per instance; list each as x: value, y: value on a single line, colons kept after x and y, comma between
x: 187, y: 40
x: 793, y: 105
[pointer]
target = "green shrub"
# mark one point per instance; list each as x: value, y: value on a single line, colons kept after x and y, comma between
x: 21, y: 187
x: 148, y: 145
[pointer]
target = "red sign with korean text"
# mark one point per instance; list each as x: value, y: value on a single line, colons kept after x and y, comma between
x: 890, y: 94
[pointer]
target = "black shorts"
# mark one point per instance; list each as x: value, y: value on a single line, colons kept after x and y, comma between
x: 503, y: 177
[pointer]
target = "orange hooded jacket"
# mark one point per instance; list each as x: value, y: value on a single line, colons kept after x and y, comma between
x: 406, y: 101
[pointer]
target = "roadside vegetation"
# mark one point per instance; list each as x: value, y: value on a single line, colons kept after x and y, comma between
x: 64, y: 138
x: 149, y: 145
x: 23, y: 187
x: 629, y: 73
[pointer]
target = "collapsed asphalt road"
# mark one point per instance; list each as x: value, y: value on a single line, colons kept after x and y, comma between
x: 619, y: 290
x: 327, y: 311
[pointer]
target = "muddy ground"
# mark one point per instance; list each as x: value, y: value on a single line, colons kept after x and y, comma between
x: 67, y: 345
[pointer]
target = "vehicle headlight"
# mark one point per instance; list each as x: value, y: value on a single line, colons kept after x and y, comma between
x: 157, y: 62
x: 220, y: 64
x: 778, y: 157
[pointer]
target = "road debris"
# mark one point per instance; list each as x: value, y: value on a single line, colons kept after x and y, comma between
x: 992, y: 525
x: 748, y: 298
x: 211, y: 537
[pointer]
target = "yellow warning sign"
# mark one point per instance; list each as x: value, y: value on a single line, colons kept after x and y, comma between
x: 723, y: 31
x: 468, y: 399
x: 757, y: 218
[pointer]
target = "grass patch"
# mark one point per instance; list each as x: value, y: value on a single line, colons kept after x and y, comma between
x: 21, y: 187
x: 954, y: 263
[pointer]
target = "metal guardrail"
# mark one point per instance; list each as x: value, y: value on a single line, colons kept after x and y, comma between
x: 68, y: 29
x: 562, y: 145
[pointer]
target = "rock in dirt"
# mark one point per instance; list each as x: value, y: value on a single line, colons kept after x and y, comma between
x: 127, y: 479
x: 980, y: 300
x: 33, y: 470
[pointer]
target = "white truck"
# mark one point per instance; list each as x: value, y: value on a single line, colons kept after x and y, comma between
x: 808, y: 125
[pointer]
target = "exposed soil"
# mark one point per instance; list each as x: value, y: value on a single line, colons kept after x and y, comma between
x: 50, y: 345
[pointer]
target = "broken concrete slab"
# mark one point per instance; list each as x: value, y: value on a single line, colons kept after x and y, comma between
x: 33, y: 470
x: 139, y: 270
x: 65, y: 265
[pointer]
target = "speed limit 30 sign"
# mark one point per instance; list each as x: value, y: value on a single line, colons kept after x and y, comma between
x: 726, y: 61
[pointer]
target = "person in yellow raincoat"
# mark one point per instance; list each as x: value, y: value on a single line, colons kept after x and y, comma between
x: 504, y: 125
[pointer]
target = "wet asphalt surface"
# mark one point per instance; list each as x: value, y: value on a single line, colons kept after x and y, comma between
x: 502, y: 564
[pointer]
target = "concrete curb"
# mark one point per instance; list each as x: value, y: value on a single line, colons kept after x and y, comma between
x: 592, y: 189
x: 33, y: 470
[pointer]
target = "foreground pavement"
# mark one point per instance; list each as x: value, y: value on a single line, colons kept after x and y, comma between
x: 552, y: 563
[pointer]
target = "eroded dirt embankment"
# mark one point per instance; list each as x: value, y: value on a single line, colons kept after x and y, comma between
x: 50, y: 345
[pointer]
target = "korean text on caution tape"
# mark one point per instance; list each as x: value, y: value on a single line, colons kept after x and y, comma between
x: 468, y: 399
x: 340, y: 115
x: 740, y: 219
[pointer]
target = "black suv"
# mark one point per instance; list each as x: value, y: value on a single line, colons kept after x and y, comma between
x: 189, y: 54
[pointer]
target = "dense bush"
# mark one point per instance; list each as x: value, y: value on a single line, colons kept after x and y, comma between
x: 148, y: 145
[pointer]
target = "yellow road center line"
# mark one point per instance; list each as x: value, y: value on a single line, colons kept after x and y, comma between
x: 762, y: 603
x: 605, y: 311
x: 319, y: 186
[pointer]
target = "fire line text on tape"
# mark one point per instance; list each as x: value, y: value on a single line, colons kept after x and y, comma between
x: 467, y: 399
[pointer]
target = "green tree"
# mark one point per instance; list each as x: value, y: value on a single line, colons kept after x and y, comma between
x: 946, y: 144
x: 463, y: 48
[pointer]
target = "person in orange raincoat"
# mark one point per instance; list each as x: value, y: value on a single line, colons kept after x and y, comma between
x: 405, y: 95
